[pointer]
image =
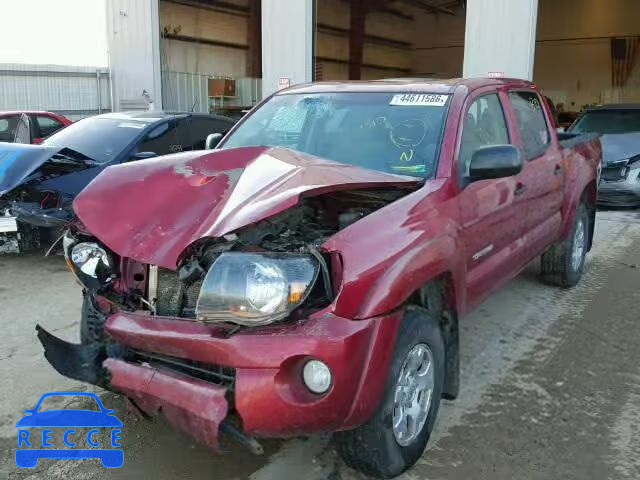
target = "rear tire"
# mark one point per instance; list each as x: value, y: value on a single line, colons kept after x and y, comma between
x: 374, y: 448
x: 563, y: 264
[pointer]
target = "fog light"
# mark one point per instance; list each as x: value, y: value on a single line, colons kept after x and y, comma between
x: 317, y: 376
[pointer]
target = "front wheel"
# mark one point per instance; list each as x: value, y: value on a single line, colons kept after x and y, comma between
x: 396, y: 436
x: 562, y: 265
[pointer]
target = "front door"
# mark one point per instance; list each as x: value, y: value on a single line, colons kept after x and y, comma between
x: 492, y: 211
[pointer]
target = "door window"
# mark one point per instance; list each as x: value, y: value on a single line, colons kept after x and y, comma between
x: 532, y: 125
x: 47, y: 125
x: 162, y: 140
x: 484, y: 125
x: 8, y: 127
x: 201, y: 128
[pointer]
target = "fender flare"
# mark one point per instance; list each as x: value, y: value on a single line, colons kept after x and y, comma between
x: 569, y: 214
x: 411, y: 271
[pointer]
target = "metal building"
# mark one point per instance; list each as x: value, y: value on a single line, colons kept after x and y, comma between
x: 75, y: 92
x: 165, y: 51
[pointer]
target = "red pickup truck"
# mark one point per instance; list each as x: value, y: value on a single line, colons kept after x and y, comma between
x: 308, y: 275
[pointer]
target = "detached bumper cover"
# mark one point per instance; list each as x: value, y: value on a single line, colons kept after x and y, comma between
x: 195, y: 406
x: 268, y: 392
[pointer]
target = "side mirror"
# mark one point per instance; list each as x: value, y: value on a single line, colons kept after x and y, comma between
x: 495, y: 161
x: 213, y: 139
x: 143, y: 155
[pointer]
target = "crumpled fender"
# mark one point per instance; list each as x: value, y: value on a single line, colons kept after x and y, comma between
x: 392, y: 252
x: 413, y: 270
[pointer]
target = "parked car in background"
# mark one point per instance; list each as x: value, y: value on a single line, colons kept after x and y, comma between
x: 309, y: 274
x: 619, y: 126
x: 566, y: 119
x: 39, y: 182
x: 30, y: 126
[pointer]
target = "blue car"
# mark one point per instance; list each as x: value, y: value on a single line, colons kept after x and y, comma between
x: 39, y: 182
x: 64, y: 422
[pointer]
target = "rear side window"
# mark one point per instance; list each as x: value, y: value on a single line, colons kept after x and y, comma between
x: 7, y: 128
x: 163, y: 139
x: 47, y: 125
x: 531, y: 123
x: 484, y: 125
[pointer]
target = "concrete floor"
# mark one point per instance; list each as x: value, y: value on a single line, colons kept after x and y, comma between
x: 550, y: 383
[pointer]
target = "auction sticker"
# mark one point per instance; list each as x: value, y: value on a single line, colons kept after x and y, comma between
x: 419, y: 100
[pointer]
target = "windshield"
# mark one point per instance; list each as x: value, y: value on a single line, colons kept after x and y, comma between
x: 608, y: 122
x: 393, y: 133
x: 100, y: 139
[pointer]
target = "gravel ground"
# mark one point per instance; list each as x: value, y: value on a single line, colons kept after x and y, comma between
x: 550, y: 383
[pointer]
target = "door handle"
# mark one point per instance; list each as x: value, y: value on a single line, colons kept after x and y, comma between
x: 520, y: 189
x: 558, y: 169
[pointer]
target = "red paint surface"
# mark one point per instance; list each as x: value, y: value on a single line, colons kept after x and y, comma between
x: 151, y: 211
x: 194, y: 406
x: 269, y: 362
x: 161, y: 206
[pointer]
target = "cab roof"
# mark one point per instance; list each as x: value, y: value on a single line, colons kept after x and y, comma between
x: 150, y: 116
x: 400, y: 85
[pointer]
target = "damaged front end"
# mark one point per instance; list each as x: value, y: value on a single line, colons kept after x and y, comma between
x: 228, y: 329
x: 37, y: 188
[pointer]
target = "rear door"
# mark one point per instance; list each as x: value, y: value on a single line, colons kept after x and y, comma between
x: 492, y: 212
x: 543, y: 169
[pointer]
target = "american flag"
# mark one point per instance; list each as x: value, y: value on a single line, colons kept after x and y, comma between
x: 624, y: 56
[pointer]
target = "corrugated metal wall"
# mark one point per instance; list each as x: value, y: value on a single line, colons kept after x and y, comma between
x: 133, y: 33
x: 184, y: 92
x: 75, y: 92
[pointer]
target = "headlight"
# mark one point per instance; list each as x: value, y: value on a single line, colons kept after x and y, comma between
x: 89, y: 258
x: 90, y: 263
x: 255, y: 289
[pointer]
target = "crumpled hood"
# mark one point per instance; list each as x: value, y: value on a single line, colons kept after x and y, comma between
x: 20, y: 163
x: 619, y: 147
x: 19, y: 160
x: 153, y: 209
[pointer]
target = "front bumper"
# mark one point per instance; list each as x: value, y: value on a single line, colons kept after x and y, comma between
x: 268, y: 393
x: 619, y: 194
